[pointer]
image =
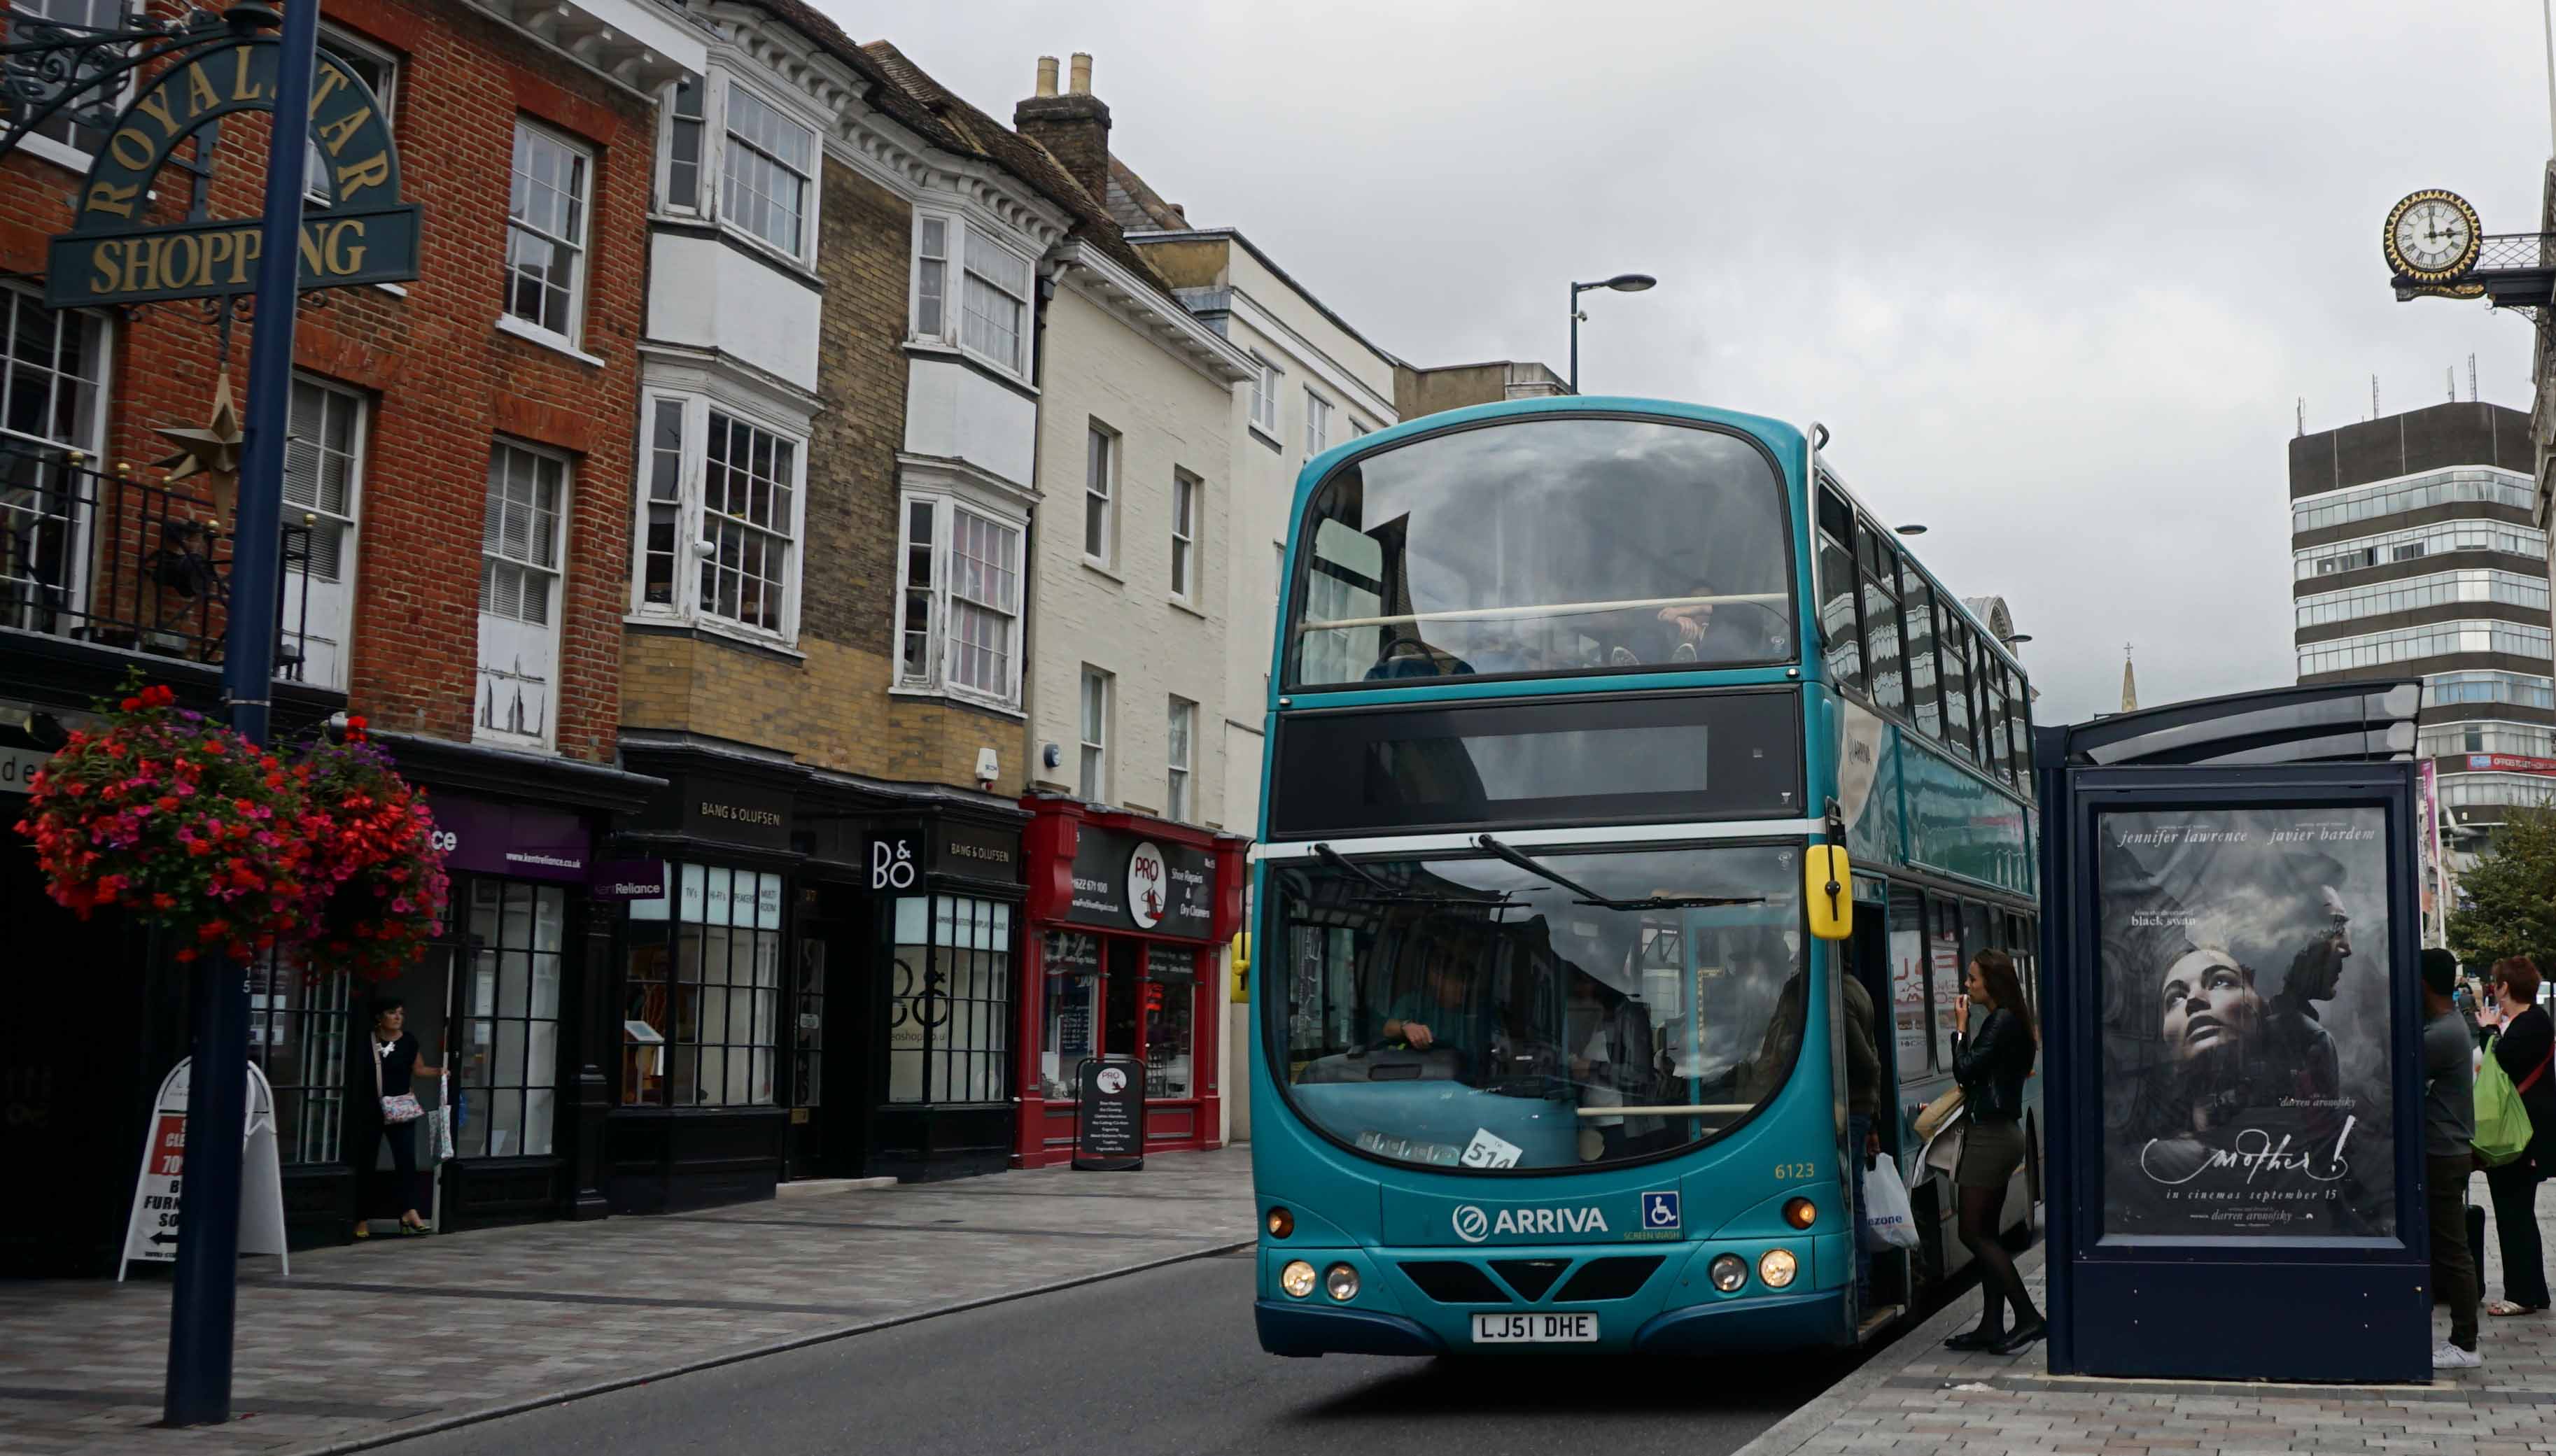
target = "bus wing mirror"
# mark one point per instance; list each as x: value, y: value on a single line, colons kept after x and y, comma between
x: 1827, y: 887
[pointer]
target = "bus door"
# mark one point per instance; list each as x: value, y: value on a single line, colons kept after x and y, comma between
x: 1869, y: 961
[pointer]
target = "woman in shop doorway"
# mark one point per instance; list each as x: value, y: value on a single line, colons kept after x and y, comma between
x: 393, y: 1053
x: 2525, y: 1045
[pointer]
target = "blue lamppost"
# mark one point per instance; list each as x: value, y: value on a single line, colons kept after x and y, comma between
x: 206, y: 1299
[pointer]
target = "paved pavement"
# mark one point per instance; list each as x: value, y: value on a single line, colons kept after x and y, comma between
x: 1921, y: 1400
x: 1159, y: 1364
x: 395, y: 1335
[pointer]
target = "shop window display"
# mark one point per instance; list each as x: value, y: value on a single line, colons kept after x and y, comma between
x: 1171, y: 1002
x: 700, y: 1019
x: 950, y: 999
x: 1073, y: 963
x: 508, y: 1068
x: 297, y: 1035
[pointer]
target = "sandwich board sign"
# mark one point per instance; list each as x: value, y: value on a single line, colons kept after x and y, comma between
x: 151, y: 1231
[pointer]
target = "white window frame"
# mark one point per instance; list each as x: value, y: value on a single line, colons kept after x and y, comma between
x: 1318, y: 423
x: 351, y: 521
x: 1113, y: 471
x: 1182, y: 786
x: 1189, y: 498
x: 1264, y: 396
x: 694, y: 456
x: 52, y: 149
x: 946, y: 507
x: 548, y: 738
x: 714, y: 171
x: 581, y: 246
x: 1091, y: 760
x: 663, y: 192
x: 960, y: 237
x: 352, y: 46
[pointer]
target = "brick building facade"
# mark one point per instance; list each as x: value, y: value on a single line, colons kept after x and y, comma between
x: 456, y: 539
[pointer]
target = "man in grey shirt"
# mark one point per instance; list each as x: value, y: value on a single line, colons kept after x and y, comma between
x: 2449, y: 1154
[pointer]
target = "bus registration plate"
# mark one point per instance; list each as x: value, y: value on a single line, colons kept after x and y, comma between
x: 1535, y: 1329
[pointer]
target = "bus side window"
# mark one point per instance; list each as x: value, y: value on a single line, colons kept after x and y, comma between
x: 1917, y: 606
x: 1880, y: 621
x: 1908, y: 985
x: 1840, y: 627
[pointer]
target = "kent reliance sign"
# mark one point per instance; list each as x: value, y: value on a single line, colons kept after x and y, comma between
x: 113, y: 255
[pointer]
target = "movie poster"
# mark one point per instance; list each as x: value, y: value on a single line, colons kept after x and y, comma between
x: 2244, y: 959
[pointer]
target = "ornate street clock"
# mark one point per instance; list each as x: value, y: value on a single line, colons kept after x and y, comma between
x: 2432, y: 237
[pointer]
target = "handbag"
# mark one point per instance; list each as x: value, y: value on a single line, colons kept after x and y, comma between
x: 1943, y: 1151
x: 1889, y: 1222
x: 395, y: 1110
x: 2501, y: 1123
x: 1936, y: 1114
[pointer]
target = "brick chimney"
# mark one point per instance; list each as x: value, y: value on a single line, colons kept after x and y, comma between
x: 1073, y: 126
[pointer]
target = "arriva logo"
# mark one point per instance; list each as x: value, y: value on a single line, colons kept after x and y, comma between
x: 1474, y: 1226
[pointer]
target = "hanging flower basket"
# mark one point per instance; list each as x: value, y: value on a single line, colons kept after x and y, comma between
x: 377, y: 886
x: 177, y: 819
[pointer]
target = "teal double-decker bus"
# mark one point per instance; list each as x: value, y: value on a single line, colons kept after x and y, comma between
x: 1573, y: 704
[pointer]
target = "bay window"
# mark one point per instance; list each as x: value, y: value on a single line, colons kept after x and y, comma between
x: 765, y: 167
x: 958, y: 599
x: 720, y: 512
x: 991, y: 318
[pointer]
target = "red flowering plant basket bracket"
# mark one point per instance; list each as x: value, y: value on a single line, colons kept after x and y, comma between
x: 177, y: 819
x: 377, y: 885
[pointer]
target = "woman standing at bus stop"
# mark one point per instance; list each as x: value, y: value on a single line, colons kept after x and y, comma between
x: 1992, y: 1068
x: 2526, y: 1047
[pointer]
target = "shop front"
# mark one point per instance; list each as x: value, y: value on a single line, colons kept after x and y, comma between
x: 700, y: 1097
x: 1128, y: 917
x: 920, y: 901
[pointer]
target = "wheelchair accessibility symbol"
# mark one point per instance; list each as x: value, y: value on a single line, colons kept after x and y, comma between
x: 1659, y: 1210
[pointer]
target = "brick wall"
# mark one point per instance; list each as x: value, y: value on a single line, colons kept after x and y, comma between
x: 440, y: 380
x: 830, y: 705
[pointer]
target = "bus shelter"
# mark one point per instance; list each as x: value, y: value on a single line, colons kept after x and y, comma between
x: 2233, y: 1040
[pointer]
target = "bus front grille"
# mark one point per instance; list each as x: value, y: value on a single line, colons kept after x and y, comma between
x: 1610, y: 1278
x: 1531, y: 1277
x: 1452, y: 1282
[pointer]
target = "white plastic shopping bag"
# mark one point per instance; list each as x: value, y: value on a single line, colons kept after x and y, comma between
x: 444, y: 1120
x: 1889, y: 1221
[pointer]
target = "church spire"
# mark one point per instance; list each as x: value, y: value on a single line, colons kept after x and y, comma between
x: 2130, y: 682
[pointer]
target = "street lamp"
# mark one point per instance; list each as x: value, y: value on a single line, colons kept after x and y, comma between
x: 1910, y: 530
x: 2018, y: 639
x: 1623, y: 282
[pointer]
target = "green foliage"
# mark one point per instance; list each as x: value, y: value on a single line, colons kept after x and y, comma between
x: 2514, y: 890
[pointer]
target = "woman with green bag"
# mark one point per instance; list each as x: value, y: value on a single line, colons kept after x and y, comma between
x: 2521, y: 1054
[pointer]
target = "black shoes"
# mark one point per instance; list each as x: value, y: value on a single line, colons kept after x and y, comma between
x: 2024, y: 1335
x: 1979, y: 1339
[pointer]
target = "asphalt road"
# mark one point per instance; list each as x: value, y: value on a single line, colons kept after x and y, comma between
x: 1163, y: 1361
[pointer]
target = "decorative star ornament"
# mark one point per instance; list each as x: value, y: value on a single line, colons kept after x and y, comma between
x: 213, y: 450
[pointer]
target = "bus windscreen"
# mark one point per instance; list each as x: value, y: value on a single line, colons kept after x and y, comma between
x: 1544, y: 545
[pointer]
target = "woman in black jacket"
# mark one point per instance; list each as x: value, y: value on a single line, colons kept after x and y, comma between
x: 2523, y: 1047
x: 1992, y: 1066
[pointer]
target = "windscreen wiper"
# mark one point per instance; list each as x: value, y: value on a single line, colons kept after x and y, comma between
x: 1592, y: 897
x: 1395, y: 895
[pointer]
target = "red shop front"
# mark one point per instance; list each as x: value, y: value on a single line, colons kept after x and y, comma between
x: 1128, y: 917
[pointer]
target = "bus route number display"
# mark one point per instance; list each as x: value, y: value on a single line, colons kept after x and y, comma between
x: 1109, y: 1115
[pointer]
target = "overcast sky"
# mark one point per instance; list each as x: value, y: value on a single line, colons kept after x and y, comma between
x: 2054, y: 274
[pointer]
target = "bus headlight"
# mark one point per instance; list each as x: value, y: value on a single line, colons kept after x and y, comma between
x: 1801, y: 1213
x: 1297, y: 1279
x: 1729, y: 1272
x: 1777, y: 1268
x: 1281, y: 1223
x: 1340, y: 1284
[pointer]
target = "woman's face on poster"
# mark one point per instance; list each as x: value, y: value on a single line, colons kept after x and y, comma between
x: 2208, y: 1004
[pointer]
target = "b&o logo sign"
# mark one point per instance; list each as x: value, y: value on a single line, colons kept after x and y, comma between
x: 891, y: 864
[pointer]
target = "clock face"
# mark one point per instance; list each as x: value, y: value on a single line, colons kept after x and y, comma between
x: 2432, y: 235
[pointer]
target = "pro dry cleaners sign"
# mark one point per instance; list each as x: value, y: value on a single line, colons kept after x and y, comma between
x: 114, y: 254
x: 1125, y: 883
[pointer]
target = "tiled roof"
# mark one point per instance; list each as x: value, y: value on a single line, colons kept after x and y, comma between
x: 965, y: 129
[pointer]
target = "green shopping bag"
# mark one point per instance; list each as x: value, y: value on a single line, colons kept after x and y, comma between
x: 2501, y: 1123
